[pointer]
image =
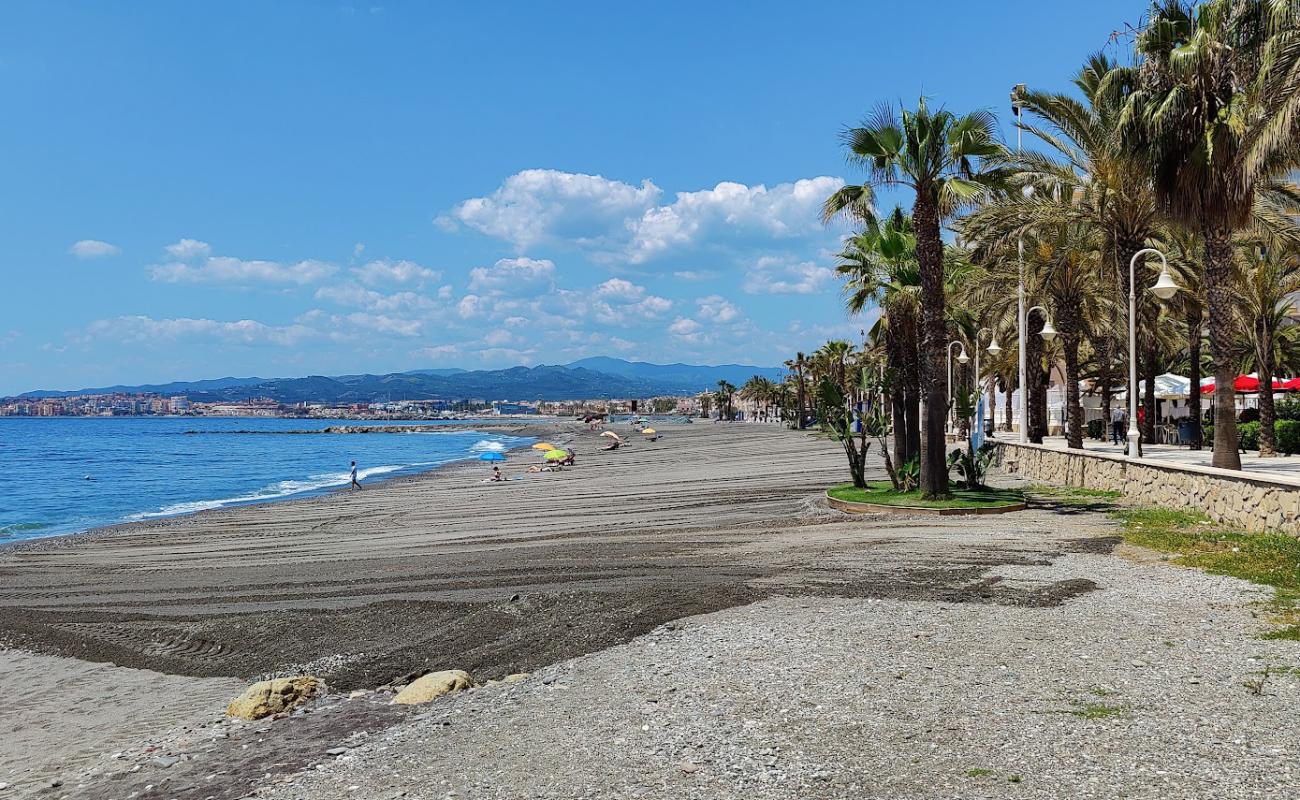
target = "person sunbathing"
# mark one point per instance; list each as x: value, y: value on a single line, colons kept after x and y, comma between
x: 614, y: 445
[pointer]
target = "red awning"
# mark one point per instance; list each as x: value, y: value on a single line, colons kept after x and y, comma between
x: 1245, y: 383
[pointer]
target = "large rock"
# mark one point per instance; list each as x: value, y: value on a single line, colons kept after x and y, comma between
x: 433, y: 686
x: 265, y: 698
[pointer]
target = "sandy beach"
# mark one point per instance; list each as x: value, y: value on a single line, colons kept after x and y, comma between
x: 588, y: 578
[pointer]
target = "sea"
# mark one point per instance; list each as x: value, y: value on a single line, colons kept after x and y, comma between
x: 62, y: 475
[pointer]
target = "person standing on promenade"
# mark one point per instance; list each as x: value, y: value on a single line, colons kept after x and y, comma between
x: 1116, y: 425
x: 355, y: 483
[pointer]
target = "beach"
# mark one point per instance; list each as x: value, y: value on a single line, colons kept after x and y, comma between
x: 599, y: 581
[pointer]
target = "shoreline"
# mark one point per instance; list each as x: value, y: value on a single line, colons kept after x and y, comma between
x: 58, y: 540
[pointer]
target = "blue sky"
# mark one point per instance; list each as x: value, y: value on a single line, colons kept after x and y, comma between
x: 275, y: 189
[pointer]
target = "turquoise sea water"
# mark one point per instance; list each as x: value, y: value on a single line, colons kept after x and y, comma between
x: 69, y: 474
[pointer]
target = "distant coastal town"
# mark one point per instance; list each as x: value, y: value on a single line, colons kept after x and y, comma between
x: 150, y: 405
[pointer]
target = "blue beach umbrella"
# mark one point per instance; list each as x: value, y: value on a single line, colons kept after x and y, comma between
x: 492, y: 456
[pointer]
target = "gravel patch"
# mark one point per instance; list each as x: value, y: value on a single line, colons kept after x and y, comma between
x: 1136, y: 689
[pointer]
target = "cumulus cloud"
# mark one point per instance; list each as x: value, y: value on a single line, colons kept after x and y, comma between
x: 616, y: 221
x: 356, y: 296
x: 224, y: 269
x: 537, y: 205
x: 513, y: 276
x: 771, y: 275
x: 401, y: 272
x: 716, y: 308
x: 143, y: 329
x: 186, y: 249
x: 93, y: 248
x: 684, y: 326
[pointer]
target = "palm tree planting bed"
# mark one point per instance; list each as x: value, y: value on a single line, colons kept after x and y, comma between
x: 880, y: 496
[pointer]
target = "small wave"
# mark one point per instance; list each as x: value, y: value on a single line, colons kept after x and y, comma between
x: 487, y: 446
x: 278, y: 490
x: 15, y: 529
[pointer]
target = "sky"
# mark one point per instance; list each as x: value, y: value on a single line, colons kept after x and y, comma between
x: 196, y: 190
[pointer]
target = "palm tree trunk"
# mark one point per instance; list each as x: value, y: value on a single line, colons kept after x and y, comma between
x: 1070, y: 325
x: 1221, y: 306
x: 1036, y: 401
x: 1264, y: 360
x: 1149, y: 391
x: 1103, y: 347
x: 929, y: 255
x: 1194, y: 321
x: 1008, y: 408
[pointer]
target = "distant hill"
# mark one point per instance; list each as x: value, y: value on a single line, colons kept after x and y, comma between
x: 687, y: 377
x: 589, y: 378
x: 176, y: 387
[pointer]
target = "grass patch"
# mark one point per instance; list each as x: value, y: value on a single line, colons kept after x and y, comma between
x: 1096, y: 710
x: 882, y: 493
x: 979, y: 772
x: 1073, y: 494
x: 1268, y: 559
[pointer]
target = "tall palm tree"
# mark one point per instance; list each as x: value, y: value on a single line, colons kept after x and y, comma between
x: 1266, y: 277
x: 1213, y: 107
x: 1186, y: 257
x: 726, y: 391
x: 941, y: 157
x: 798, y: 365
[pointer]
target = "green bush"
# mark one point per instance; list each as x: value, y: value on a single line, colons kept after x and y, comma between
x: 1286, y: 435
x: 1248, y: 434
x: 1287, y: 409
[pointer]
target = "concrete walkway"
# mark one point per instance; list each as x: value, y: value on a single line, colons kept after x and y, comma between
x: 1281, y: 466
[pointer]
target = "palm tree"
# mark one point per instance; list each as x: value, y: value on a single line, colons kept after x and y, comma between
x: 1185, y: 254
x: 798, y: 365
x: 879, y: 267
x: 724, y: 396
x: 1212, y: 107
x: 1266, y: 277
x: 941, y: 157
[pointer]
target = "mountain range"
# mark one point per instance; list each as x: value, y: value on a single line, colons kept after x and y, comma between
x: 587, y: 378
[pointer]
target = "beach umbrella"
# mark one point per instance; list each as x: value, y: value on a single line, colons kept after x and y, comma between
x: 1292, y: 385
x: 556, y: 455
x: 649, y: 431
x: 543, y: 446
x: 612, y: 435
x: 492, y: 456
x: 1244, y: 384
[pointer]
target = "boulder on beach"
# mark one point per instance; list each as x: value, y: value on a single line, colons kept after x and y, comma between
x: 265, y: 698
x: 433, y: 686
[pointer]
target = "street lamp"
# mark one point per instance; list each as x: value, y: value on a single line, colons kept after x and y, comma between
x: 1048, y: 333
x: 994, y: 349
x: 961, y: 358
x: 1164, y: 288
x: 1017, y: 108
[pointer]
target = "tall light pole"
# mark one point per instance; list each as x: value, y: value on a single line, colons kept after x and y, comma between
x: 1017, y: 106
x: 994, y: 349
x: 1164, y: 288
x: 963, y: 358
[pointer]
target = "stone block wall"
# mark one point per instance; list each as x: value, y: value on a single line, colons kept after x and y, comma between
x: 1243, y: 500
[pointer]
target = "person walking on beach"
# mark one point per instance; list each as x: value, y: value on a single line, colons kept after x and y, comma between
x: 1117, y: 425
x: 355, y: 483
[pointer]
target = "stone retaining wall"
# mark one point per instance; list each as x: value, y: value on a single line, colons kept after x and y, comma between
x: 1243, y: 500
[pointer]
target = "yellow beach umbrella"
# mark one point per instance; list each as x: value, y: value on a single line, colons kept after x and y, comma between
x: 649, y: 431
x: 543, y: 446
x: 556, y: 455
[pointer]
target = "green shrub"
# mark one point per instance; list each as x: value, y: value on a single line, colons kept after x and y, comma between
x: 1286, y: 435
x: 1248, y: 433
x: 1207, y: 434
x: 1287, y: 408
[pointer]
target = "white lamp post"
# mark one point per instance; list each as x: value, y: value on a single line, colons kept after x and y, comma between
x: 1017, y: 106
x: 1165, y: 287
x: 962, y: 358
x: 994, y: 349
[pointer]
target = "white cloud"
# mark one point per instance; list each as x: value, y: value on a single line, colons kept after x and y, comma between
x: 384, y: 324
x: 771, y: 275
x: 93, y: 248
x: 358, y: 249
x: 684, y: 326
x: 536, y: 205
x: 142, y: 330
x: 695, y: 274
x: 356, y: 296
x: 619, y: 222
x: 716, y: 308
x: 224, y: 269
x: 513, y: 276
x: 385, y: 271
x: 187, y: 249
